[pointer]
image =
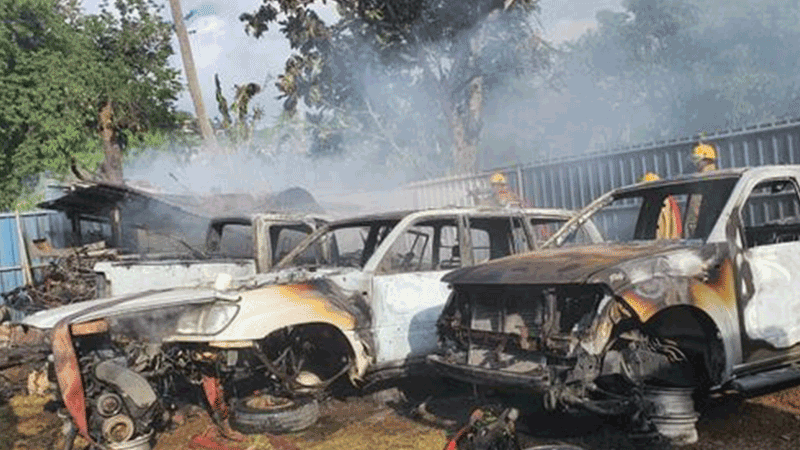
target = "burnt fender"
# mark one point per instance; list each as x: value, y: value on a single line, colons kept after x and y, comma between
x: 715, y: 296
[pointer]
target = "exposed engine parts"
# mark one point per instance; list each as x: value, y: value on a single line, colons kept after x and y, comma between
x: 118, y: 429
x: 108, y: 404
x: 131, y: 387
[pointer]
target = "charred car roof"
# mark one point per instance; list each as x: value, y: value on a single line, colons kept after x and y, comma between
x: 694, y: 177
x: 399, y: 215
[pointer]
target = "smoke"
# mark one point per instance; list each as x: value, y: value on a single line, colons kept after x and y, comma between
x: 331, y: 180
x: 399, y: 133
x: 690, y: 67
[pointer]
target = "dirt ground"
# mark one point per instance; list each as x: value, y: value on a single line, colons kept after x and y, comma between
x: 361, y: 422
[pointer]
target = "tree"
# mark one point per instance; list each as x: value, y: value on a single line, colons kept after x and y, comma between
x: 72, y: 86
x: 45, y: 104
x: 396, y: 73
x: 239, y: 129
x: 134, y: 85
x: 667, y: 68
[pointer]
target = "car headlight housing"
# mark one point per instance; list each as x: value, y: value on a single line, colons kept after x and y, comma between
x: 207, y: 319
x: 653, y: 288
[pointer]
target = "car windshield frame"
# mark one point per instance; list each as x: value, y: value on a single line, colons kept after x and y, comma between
x: 377, y: 233
x: 719, y: 188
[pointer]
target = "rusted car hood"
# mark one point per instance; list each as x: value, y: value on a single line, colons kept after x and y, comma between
x: 560, y: 265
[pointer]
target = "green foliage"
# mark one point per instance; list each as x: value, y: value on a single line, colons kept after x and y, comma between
x: 239, y: 130
x: 45, y: 106
x: 57, y: 68
x: 131, y: 41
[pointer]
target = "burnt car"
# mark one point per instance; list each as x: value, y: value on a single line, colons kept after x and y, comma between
x: 357, y: 299
x: 642, y: 326
x: 239, y: 246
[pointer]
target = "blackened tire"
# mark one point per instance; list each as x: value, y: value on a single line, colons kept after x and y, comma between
x: 295, y: 415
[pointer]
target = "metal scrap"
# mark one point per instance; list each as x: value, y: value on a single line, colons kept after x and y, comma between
x: 68, y: 278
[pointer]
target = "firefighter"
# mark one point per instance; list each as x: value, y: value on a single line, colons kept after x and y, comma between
x: 704, y: 157
x: 503, y: 195
x: 669, y: 219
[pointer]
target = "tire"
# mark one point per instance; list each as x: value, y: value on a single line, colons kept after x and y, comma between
x: 298, y: 414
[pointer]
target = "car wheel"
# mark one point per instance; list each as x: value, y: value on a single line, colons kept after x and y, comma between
x: 672, y: 412
x: 268, y: 414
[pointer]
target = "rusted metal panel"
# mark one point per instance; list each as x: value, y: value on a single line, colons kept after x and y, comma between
x: 68, y: 374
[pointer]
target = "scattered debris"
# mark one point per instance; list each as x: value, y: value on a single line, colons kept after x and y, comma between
x: 487, y: 430
x: 421, y: 412
x: 38, y: 384
x: 68, y: 278
x: 213, y: 439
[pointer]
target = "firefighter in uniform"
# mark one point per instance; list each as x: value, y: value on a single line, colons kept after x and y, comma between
x: 503, y: 195
x: 669, y: 219
x: 704, y: 157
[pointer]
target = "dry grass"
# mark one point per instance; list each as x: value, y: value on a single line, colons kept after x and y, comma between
x: 390, y: 431
x: 25, y: 425
x: 786, y: 400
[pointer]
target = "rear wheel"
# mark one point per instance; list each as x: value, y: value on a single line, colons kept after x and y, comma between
x: 265, y: 413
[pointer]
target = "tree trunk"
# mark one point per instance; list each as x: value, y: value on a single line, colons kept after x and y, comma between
x: 111, y: 168
x: 191, y: 76
x: 465, y: 125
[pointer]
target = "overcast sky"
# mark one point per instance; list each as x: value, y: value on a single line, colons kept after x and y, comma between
x: 220, y: 45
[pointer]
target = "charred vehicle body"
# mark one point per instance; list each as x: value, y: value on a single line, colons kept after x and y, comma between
x: 640, y: 324
x: 239, y: 246
x: 358, y: 298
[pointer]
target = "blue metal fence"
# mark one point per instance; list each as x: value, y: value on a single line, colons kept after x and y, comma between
x: 37, y: 225
x: 573, y: 182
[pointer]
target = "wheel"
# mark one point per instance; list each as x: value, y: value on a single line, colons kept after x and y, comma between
x: 267, y: 414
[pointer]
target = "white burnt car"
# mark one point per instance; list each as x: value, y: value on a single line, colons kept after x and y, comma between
x: 638, y: 325
x: 358, y: 297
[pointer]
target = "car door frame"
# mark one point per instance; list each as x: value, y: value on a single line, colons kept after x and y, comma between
x: 373, y: 267
x: 756, y: 354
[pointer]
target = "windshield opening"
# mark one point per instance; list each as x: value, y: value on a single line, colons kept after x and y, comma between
x: 543, y: 229
x: 286, y: 237
x: 676, y: 211
x: 344, y: 245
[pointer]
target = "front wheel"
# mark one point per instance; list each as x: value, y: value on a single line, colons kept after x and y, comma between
x: 268, y: 414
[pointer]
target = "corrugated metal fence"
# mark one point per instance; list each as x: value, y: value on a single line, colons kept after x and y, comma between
x: 34, y: 225
x: 573, y: 182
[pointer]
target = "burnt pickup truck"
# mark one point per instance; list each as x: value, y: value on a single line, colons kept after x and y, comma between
x: 637, y: 325
x: 239, y: 246
x: 357, y: 299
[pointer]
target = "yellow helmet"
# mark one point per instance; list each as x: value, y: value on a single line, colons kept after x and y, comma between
x: 703, y: 151
x: 498, y: 178
x: 649, y: 176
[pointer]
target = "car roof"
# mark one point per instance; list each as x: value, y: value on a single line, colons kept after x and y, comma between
x: 474, y: 211
x: 735, y: 172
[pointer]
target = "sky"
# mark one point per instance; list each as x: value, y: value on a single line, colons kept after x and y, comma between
x: 220, y: 45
